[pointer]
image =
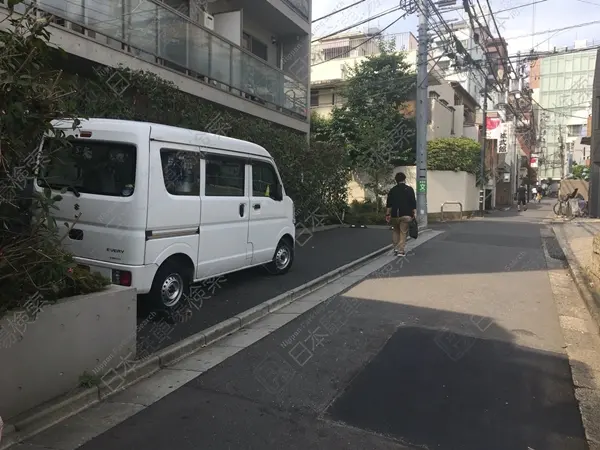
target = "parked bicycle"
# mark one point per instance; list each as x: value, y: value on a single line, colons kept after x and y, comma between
x: 563, y: 206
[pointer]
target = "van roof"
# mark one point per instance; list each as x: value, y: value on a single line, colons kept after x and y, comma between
x: 169, y: 133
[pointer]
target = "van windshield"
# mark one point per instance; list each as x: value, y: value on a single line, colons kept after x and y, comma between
x: 85, y: 166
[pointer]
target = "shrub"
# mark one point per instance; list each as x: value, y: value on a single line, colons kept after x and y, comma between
x: 458, y: 154
x: 33, y: 264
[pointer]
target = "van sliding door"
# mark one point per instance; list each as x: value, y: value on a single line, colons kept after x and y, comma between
x: 225, y: 214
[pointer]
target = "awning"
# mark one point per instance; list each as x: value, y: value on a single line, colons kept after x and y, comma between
x: 586, y: 140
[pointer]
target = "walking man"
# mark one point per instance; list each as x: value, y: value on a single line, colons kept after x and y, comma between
x: 401, y: 209
x: 522, y: 197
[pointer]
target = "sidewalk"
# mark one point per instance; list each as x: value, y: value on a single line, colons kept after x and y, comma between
x: 577, y: 236
x: 434, y: 351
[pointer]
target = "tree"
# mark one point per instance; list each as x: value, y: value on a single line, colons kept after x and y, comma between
x: 320, y: 128
x: 371, y: 124
x: 580, y: 172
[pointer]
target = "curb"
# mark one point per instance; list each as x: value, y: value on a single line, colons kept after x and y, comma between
x: 55, y: 411
x: 580, y: 278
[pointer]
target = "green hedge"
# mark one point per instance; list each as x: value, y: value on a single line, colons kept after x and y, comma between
x: 315, y: 176
x: 459, y: 154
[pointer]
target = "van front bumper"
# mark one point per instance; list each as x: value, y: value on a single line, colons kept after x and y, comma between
x: 141, y: 276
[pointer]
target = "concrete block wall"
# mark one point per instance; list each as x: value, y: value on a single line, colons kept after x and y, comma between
x: 595, y: 265
x: 443, y: 186
x: 43, y: 357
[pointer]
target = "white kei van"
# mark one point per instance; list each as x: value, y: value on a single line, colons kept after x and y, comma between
x: 162, y: 207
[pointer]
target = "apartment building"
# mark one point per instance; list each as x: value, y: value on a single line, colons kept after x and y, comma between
x: 248, y: 55
x: 471, y: 80
x: 451, y: 108
x: 451, y: 112
x: 332, y: 59
x: 565, y: 102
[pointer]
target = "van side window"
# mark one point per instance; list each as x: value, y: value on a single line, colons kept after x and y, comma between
x: 264, y: 180
x: 225, y: 177
x: 181, y: 171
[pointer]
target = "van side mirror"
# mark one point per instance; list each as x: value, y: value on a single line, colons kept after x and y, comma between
x: 279, y: 192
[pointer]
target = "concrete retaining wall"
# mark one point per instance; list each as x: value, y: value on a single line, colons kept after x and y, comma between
x: 443, y: 186
x: 594, y: 268
x: 44, y: 357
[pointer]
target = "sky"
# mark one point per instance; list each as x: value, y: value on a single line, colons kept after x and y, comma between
x: 523, y: 28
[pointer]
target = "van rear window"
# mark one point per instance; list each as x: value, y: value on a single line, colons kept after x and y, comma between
x: 86, y: 166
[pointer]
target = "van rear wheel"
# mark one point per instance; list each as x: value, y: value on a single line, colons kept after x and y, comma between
x: 171, y: 283
x: 283, y: 258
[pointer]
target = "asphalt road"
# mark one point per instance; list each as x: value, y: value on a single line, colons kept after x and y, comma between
x: 458, y: 347
x: 221, y: 299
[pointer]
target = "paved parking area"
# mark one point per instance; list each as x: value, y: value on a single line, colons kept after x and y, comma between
x: 224, y: 298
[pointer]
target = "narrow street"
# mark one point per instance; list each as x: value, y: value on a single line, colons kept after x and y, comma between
x: 456, y: 347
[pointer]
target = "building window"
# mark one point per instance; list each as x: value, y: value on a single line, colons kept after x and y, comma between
x: 181, y: 171
x: 336, y: 52
x: 265, y: 182
x: 255, y: 46
x: 574, y: 130
x: 444, y: 65
x: 314, y: 98
x: 225, y: 177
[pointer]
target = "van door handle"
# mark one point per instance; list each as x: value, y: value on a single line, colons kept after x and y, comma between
x: 242, y: 207
x: 257, y: 206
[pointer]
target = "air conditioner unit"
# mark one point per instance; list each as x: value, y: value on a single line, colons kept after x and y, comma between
x: 205, y: 19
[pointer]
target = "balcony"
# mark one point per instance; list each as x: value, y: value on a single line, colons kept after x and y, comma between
x: 302, y: 7
x: 153, y: 32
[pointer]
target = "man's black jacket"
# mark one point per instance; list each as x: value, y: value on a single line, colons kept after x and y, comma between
x: 401, y: 199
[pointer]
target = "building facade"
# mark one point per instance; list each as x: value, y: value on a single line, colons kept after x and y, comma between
x: 451, y: 107
x: 248, y: 55
x: 565, y: 100
x: 333, y: 58
x: 471, y: 80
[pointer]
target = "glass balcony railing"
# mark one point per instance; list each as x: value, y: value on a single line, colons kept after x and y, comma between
x: 159, y: 34
x: 301, y: 6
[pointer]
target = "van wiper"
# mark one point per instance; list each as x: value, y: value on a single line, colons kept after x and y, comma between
x: 74, y: 191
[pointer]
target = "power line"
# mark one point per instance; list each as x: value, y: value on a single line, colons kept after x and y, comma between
x: 378, y: 34
x: 338, y: 11
x: 376, y: 16
x: 557, y: 29
x: 558, y: 113
x: 589, y: 3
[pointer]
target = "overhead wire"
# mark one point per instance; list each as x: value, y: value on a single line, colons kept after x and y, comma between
x: 326, y: 16
x: 378, y: 34
x: 354, y: 25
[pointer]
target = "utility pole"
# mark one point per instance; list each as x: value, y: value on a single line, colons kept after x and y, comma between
x: 515, y: 164
x: 484, y: 133
x: 422, y: 111
x: 561, y: 153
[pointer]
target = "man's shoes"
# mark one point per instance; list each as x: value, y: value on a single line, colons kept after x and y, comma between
x: 525, y: 208
x: 401, y: 254
x: 395, y: 252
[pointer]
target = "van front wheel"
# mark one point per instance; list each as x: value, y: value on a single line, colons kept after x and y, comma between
x: 171, y: 283
x: 283, y: 258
